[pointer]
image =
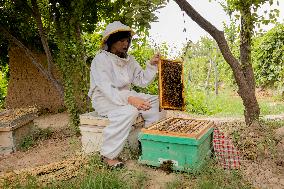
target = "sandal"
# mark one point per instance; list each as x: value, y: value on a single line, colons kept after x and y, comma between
x: 112, y: 163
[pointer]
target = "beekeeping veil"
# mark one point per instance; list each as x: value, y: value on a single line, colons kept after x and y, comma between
x: 112, y: 28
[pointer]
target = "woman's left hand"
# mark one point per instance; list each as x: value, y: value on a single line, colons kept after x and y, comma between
x: 155, y: 59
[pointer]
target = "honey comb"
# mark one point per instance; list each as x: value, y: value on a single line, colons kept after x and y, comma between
x: 171, y: 86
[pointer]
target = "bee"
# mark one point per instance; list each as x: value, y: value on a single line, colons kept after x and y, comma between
x: 171, y: 84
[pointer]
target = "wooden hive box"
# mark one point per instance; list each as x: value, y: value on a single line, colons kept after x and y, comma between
x: 184, y: 142
x: 15, y: 125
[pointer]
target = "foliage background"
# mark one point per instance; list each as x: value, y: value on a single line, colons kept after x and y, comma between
x: 73, y: 54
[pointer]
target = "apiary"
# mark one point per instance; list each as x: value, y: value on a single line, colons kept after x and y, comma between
x: 184, y: 142
x: 171, y: 87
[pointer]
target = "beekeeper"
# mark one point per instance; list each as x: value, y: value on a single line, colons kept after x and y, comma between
x: 112, y: 73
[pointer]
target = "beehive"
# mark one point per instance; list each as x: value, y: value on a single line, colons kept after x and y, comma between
x: 15, y: 125
x: 171, y: 87
x: 91, y: 128
x: 184, y: 142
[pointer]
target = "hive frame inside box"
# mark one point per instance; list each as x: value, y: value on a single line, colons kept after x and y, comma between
x: 186, y: 152
x: 164, y: 102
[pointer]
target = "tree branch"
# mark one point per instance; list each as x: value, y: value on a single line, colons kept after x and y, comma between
x: 219, y: 38
x: 42, y: 34
x: 242, y: 76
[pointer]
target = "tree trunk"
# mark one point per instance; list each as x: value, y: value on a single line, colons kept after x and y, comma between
x: 251, y: 106
x: 48, y: 74
x: 85, y: 68
x: 246, y: 91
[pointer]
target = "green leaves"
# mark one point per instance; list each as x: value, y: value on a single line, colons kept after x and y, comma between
x: 64, y: 22
x: 236, y: 8
x: 268, y: 57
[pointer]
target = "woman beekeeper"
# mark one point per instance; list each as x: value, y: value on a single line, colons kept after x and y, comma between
x: 112, y: 73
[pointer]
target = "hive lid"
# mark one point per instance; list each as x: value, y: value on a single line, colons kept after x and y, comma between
x: 171, y: 86
x: 181, y: 127
x: 12, y: 119
x: 93, y: 118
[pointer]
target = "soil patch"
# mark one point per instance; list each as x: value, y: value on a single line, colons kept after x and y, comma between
x: 47, y: 151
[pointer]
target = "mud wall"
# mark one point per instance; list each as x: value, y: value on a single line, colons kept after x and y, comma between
x: 27, y: 86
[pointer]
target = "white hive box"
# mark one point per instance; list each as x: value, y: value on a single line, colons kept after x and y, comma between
x: 92, y: 125
x: 15, y: 125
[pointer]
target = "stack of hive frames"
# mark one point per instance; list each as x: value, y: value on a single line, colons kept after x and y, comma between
x: 191, y: 128
x: 171, y: 87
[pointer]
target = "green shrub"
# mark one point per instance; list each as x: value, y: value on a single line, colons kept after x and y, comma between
x: 268, y: 56
x: 92, y: 175
x: 3, y: 84
x: 198, y: 102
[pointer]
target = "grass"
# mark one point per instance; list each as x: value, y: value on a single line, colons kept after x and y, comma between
x: 214, y: 177
x: 210, y: 176
x: 255, y: 142
x: 36, y: 135
x: 93, y: 175
x: 227, y: 104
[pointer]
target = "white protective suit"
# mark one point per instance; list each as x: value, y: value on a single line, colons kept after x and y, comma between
x: 111, y: 78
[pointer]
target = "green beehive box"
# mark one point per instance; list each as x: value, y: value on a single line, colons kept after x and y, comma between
x: 185, y: 142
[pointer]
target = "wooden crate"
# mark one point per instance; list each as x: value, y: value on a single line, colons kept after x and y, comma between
x: 171, y: 85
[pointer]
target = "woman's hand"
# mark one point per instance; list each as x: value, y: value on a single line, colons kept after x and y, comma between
x: 139, y: 103
x: 155, y: 59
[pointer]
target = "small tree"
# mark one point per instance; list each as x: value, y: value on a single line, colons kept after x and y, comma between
x: 242, y: 68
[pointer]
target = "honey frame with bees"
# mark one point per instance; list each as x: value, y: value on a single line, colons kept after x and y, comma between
x: 171, y: 85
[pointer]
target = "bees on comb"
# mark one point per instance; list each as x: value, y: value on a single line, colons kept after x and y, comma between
x: 171, y: 87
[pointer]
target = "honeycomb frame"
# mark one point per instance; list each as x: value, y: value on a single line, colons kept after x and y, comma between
x: 169, y: 84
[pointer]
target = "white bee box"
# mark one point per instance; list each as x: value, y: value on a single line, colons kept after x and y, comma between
x: 91, y: 127
x: 13, y: 131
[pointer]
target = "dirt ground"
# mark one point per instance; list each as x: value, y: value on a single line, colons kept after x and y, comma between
x: 52, y: 150
x: 264, y: 174
x: 61, y: 147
